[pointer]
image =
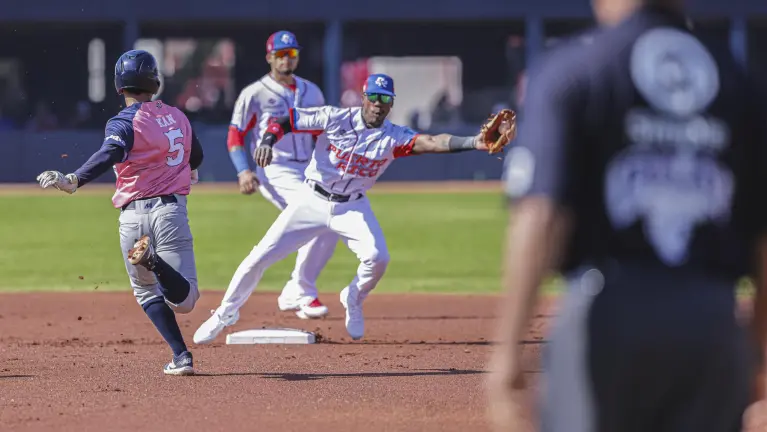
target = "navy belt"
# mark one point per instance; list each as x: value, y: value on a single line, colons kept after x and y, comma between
x: 333, y: 197
x: 165, y: 199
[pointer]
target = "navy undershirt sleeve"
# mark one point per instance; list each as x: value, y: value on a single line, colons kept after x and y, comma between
x: 119, y: 131
x: 117, y: 144
x: 99, y: 163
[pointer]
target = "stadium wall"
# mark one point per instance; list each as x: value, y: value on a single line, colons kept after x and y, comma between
x: 344, y: 10
x: 24, y: 155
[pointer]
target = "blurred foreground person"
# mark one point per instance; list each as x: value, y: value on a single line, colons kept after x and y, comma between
x: 637, y: 174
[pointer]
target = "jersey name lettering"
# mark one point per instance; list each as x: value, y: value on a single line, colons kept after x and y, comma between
x: 165, y: 121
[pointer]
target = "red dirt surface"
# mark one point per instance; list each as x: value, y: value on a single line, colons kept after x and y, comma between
x: 92, y: 362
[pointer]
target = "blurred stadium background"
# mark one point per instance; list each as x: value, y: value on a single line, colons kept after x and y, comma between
x: 454, y: 61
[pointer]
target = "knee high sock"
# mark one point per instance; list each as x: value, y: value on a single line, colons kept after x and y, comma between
x: 164, y: 320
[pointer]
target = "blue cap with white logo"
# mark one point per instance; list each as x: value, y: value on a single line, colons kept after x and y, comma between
x: 281, y: 40
x: 379, y: 84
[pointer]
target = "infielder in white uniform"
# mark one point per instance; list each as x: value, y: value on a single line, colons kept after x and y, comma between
x: 257, y: 106
x: 354, y: 148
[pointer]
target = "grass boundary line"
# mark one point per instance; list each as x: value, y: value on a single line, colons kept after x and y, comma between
x: 386, y: 187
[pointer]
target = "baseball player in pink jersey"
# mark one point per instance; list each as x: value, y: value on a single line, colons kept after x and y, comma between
x: 155, y: 155
x: 354, y: 148
x: 257, y: 106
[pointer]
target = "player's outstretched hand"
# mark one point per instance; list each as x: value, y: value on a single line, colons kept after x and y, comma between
x: 66, y: 183
x: 248, y: 182
x: 263, y: 156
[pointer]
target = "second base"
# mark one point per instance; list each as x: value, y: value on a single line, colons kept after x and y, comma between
x: 270, y: 336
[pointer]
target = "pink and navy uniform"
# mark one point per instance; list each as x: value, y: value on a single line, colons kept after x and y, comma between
x: 153, y: 150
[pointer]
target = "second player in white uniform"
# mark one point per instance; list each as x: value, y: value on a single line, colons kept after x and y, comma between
x: 259, y: 104
x: 354, y: 148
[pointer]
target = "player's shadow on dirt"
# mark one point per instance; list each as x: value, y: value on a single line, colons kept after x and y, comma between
x: 427, y: 318
x: 319, y: 376
x: 416, y: 318
x: 408, y: 342
x: 15, y: 376
x: 404, y: 342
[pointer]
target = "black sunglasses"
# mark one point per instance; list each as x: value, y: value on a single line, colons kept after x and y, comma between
x: 374, y: 97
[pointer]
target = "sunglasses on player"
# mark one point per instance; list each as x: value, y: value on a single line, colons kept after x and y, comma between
x: 290, y: 52
x: 375, y: 97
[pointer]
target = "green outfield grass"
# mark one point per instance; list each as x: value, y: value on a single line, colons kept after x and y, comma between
x: 438, y: 242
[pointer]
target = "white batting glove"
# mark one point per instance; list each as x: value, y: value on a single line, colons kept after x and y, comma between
x: 195, y: 177
x: 66, y: 183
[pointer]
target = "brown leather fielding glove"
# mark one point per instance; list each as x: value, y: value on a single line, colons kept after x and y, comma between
x: 499, y: 130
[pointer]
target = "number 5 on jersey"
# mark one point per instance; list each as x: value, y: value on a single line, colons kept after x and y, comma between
x: 176, y: 145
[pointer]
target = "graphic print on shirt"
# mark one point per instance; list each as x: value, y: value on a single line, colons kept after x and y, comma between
x: 670, y: 178
x: 354, y: 164
x: 349, y: 156
x: 354, y: 157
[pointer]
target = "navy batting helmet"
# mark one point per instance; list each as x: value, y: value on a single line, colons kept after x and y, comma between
x: 137, y: 70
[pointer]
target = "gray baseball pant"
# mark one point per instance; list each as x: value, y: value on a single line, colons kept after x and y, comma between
x: 167, y: 225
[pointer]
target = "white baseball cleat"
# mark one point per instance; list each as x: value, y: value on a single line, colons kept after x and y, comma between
x: 305, y: 307
x: 312, y: 310
x: 287, y: 303
x: 211, y: 328
x: 355, y: 322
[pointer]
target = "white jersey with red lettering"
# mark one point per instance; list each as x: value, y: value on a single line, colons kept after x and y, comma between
x: 347, y: 161
x: 349, y: 157
x: 266, y: 100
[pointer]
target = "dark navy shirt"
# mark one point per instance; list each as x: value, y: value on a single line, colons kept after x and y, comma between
x: 118, y: 131
x: 654, y: 140
x: 117, y: 144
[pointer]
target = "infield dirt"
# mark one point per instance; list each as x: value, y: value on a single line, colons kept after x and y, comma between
x: 92, y: 362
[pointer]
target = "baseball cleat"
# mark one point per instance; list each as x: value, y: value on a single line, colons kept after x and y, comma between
x: 288, y: 303
x: 142, y: 252
x: 355, y: 322
x: 312, y: 310
x: 211, y: 328
x: 181, y: 365
x: 305, y: 307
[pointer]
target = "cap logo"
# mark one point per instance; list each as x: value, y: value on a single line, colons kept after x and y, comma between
x: 381, y: 82
x: 285, y: 38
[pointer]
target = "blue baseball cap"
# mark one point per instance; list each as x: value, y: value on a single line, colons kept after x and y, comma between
x: 379, y: 84
x: 281, y: 40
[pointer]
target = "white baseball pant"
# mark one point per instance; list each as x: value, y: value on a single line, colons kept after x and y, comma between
x: 280, y: 185
x: 305, y: 218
